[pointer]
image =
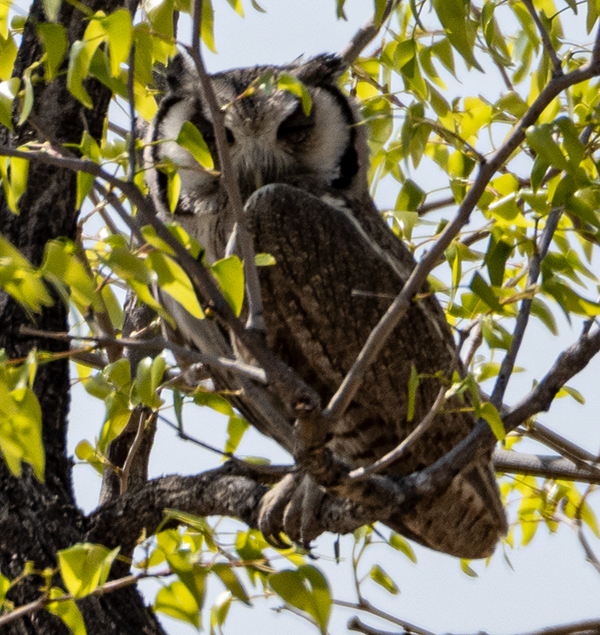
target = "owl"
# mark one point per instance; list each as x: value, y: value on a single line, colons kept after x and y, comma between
x: 338, y: 266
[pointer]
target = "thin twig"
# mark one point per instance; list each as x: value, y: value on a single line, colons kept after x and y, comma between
x: 425, y: 208
x: 547, y: 43
x: 365, y: 35
x: 397, y: 453
x: 132, y: 116
x: 137, y: 442
x: 108, y: 587
x: 563, y: 446
x: 366, y: 606
x: 508, y: 362
x: 355, y: 624
x: 256, y: 319
x: 156, y: 345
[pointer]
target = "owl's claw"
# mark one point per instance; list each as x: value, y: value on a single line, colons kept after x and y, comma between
x: 290, y: 508
x: 272, y: 511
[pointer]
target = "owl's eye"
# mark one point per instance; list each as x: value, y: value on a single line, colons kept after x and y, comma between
x: 230, y: 137
x: 296, y: 127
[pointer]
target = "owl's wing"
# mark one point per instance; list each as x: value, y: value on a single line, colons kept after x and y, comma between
x: 331, y: 284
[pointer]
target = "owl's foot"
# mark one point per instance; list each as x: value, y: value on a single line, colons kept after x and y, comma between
x: 291, y: 507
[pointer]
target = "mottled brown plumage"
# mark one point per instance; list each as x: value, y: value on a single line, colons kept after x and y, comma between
x: 338, y: 267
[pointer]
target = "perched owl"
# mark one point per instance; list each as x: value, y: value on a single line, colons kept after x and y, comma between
x: 303, y: 179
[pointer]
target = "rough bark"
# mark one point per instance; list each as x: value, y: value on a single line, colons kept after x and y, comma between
x: 37, y: 519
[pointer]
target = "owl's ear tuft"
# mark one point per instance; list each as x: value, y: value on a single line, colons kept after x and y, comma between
x: 321, y: 69
x: 181, y: 71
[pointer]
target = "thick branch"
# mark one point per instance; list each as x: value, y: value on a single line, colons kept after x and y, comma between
x: 544, y: 466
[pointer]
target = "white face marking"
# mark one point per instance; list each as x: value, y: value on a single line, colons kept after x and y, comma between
x: 331, y: 130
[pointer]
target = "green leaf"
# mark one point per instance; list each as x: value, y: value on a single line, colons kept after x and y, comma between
x: 454, y: 16
x: 13, y: 173
x: 410, y: 196
x: 567, y: 390
x: 4, y: 586
x: 230, y: 580
x: 305, y: 589
x: 379, y: 576
x: 379, y: 11
x: 237, y: 7
x: 464, y: 565
x: 8, y: 92
x: 293, y: 85
x: 574, y: 147
x: 120, y: 33
x: 177, y: 601
x: 220, y: 610
x: 544, y: 314
x: 21, y: 429
x: 490, y: 414
x: 413, y: 384
x: 569, y: 301
x: 148, y: 376
x: 235, y: 431
x: 80, y: 58
x: 264, y: 260
x: 62, y: 267
x: 54, y: 41
x: 173, y: 280
x: 589, y: 518
x: 84, y: 567
x: 208, y: 25
x: 215, y: 401
x: 400, y: 543
x: 193, y: 575
x: 191, y: 139
x: 8, y: 54
x: 496, y: 257
x: 540, y: 139
x: 484, y: 291
x: 86, y: 452
x: 512, y: 103
x: 67, y: 611
x: 230, y: 274
x: 173, y: 190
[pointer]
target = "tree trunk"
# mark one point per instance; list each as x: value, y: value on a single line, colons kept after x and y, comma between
x: 37, y: 519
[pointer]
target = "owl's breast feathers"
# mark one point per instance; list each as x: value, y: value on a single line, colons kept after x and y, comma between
x: 331, y: 284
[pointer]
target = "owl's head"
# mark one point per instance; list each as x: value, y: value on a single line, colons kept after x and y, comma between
x: 271, y: 139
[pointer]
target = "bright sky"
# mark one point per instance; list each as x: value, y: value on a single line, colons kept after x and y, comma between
x: 549, y: 582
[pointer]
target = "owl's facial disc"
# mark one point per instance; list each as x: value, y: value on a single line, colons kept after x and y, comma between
x: 272, y: 140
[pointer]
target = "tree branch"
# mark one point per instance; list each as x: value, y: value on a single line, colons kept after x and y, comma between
x: 302, y: 399
x: 545, y: 466
x: 256, y: 319
x: 365, y: 35
x: 376, y: 340
x: 508, y: 363
x: 547, y: 43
